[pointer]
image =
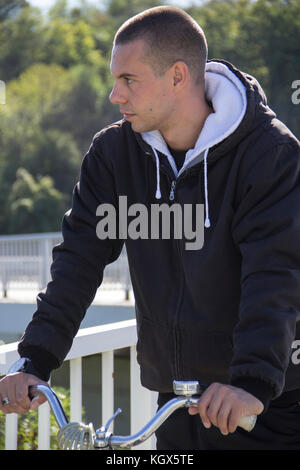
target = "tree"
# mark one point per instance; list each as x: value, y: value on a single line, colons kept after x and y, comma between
x: 70, y: 43
x: 34, y: 205
x: 278, y: 35
x: 53, y: 153
x: 10, y: 7
x: 121, y: 10
x: 81, y: 113
x: 262, y: 38
x: 20, y: 39
x: 24, y: 141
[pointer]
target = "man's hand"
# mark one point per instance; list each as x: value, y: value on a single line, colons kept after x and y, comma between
x: 224, y: 405
x: 14, y: 387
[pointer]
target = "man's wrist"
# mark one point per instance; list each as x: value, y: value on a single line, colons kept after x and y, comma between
x: 24, y: 364
x: 43, y: 361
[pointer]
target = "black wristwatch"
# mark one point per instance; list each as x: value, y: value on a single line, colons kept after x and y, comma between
x: 23, y: 365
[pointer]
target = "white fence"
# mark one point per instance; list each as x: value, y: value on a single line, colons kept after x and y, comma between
x: 100, y: 339
x: 25, y: 264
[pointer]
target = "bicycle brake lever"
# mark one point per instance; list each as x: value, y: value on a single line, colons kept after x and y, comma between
x: 103, y: 435
x: 105, y: 428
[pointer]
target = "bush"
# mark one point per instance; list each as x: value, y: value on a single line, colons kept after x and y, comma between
x: 28, y: 425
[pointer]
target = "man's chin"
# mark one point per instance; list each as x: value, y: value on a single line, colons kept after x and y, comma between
x: 140, y: 128
x: 136, y: 127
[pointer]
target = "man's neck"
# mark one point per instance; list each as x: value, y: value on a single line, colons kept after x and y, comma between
x: 185, y: 132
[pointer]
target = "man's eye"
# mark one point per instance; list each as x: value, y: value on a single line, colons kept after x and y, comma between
x: 129, y: 81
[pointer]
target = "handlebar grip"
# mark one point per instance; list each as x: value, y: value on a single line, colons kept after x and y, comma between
x: 190, y: 388
x: 247, y: 422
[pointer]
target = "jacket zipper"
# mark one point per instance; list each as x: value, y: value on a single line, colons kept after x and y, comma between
x: 181, y: 282
x: 172, y: 196
x: 181, y: 287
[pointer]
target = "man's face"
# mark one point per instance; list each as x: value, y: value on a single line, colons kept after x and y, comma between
x: 145, y: 100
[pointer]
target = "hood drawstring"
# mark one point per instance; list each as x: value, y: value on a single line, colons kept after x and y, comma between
x: 158, y: 193
x: 207, y: 220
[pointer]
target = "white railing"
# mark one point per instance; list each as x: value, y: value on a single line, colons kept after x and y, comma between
x: 99, y: 339
x: 25, y: 264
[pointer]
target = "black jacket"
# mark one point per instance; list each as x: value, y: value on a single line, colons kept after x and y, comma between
x: 227, y: 312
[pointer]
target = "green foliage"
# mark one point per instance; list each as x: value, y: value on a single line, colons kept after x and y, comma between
x: 20, y: 40
x: 278, y: 34
x: 56, y: 70
x: 69, y: 44
x: 121, y: 10
x: 8, y: 7
x: 260, y: 37
x: 28, y: 425
x: 34, y: 204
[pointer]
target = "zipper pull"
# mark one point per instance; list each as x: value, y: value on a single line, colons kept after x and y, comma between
x: 171, y: 196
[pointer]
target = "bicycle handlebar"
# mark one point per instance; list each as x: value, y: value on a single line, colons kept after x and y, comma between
x: 76, y: 436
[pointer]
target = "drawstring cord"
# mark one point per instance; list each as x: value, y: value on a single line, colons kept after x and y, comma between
x: 158, y: 193
x: 207, y: 220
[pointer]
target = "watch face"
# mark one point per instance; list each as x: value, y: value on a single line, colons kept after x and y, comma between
x: 17, y: 366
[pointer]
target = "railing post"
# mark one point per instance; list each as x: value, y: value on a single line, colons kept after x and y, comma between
x: 127, y: 285
x: 4, y: 279
x: 44, y: 426
x: 11, y: 431
x: 76, y: 389
x: 142, y: 403
x: 107, y: 387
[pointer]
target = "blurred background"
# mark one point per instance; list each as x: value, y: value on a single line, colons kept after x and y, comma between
x: 54, y: 61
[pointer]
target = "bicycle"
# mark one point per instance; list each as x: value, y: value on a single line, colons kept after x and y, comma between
x: 80, y: 436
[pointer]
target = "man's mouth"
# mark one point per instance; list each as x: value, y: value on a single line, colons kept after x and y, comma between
x: 127, y: 115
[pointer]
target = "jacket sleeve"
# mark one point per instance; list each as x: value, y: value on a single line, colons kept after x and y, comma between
x: 76, y: 270
x: 266, y: 230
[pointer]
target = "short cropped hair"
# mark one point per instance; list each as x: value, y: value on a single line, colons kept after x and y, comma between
x: 170, y: 35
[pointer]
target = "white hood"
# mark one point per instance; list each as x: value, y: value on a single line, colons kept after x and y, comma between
x: 228, y: 97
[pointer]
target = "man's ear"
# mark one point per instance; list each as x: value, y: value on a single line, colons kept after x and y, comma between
x: 180, y: 73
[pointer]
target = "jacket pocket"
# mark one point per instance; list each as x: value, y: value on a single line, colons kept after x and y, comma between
x: 205, y: 356
x: 155, y: 355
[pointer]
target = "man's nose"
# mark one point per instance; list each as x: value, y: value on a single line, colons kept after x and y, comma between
x: 116, y: 96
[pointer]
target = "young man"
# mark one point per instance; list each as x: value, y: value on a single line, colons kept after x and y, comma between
x: 225, y: 312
